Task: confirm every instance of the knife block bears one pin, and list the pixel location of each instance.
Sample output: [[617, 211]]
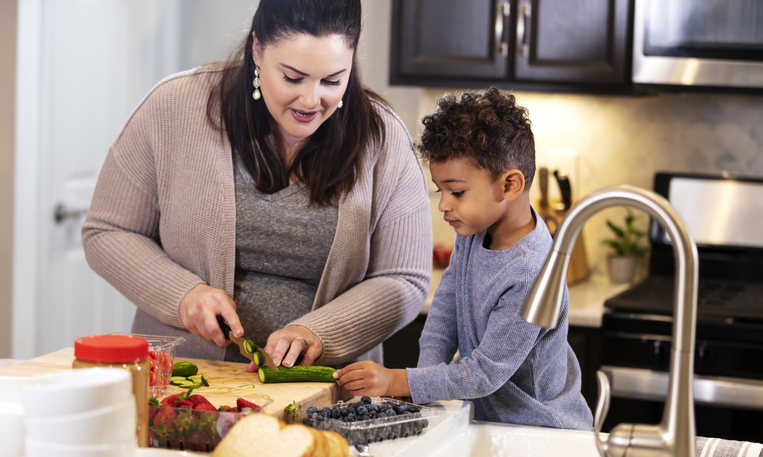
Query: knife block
[[578, 267]]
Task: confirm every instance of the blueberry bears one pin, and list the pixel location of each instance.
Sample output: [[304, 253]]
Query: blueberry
[[365, 399], [312, 410], [391, 412], [405, 412], [374, 408], [372, 414], [336, 413], [361, 410], [344, 411]]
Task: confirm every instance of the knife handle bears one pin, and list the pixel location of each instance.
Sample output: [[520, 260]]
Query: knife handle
[[223, 326]]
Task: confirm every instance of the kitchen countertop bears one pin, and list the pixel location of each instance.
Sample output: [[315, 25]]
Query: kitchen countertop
[[586, 298], [224, 378]]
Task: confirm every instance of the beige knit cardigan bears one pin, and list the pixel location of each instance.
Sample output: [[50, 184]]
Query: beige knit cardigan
[[163, 219]]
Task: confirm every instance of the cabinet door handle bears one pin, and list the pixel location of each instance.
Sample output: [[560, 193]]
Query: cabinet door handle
[[503, 10], [523, 18]]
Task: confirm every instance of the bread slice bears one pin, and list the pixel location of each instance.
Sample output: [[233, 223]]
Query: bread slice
[[262, 435], [294, 440], [245, 437], [338, 446]]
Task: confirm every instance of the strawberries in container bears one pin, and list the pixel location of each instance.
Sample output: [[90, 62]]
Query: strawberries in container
[[161, 354], [184, 420]]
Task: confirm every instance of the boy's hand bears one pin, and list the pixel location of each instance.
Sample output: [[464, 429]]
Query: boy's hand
[[369, 378]]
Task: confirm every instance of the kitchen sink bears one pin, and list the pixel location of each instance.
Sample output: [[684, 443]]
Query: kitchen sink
[[490, 439]]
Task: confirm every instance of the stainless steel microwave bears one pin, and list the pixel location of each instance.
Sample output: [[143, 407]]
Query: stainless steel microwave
[[698, 43]]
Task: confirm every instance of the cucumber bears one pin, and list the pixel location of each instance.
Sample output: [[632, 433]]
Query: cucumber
[[258, 359], [296, 374], [184, 369], [249, 346], [178, 379]]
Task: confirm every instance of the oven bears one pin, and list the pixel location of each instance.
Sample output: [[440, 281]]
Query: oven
[[698, 43], [724, 217]]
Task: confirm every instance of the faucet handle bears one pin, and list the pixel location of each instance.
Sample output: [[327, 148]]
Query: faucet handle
[[602, 408]]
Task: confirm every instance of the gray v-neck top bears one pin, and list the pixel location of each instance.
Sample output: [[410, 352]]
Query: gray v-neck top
[[282, 245]]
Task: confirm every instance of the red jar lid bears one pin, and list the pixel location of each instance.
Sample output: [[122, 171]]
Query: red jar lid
[[111, 348]]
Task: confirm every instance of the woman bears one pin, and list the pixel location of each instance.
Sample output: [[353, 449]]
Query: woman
[[272, 189]]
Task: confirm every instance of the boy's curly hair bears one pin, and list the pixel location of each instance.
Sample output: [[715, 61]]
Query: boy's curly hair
[[487, 128]]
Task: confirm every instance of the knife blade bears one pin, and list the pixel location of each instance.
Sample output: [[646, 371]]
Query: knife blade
[[240, 342]]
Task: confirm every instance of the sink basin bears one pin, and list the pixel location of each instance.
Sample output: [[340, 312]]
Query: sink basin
[[490, 439]]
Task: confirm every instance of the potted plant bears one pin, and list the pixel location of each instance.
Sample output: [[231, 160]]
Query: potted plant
[[622, 263]]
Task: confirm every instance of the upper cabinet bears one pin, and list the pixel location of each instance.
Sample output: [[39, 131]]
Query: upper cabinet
[[556, 44]]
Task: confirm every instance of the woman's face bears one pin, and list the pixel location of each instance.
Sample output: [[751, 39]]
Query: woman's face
[[303, 79]]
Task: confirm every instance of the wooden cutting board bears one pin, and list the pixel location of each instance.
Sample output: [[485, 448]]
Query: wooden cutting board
[[224, 378]]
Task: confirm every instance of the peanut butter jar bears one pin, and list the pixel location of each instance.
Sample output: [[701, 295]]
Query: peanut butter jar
[[120, 351]]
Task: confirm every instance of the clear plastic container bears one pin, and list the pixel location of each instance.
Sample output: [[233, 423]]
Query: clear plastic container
[[161, 352], [192, 429], [401, 425]]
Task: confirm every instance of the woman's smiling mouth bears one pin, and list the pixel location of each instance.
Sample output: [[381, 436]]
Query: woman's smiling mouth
[[303, 116]]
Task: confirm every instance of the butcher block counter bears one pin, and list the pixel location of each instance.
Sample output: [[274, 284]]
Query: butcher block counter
[[223, 377]]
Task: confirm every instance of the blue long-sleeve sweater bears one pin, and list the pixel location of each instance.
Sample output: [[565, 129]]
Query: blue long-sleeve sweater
[[513, 371]]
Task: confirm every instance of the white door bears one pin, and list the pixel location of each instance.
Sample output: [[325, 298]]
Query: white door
[[95, 62], [83, 66]]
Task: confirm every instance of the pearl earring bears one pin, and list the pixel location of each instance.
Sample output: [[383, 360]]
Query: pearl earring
[[256, 83], [340, 104]]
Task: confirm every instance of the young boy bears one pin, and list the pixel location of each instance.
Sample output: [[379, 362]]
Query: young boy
[[481, 153]]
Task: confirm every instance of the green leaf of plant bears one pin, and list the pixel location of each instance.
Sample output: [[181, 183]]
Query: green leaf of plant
[[618, 231]]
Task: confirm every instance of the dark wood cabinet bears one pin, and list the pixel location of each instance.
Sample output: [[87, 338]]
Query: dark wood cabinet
[[452, 38], [586, 343], [520, 44]]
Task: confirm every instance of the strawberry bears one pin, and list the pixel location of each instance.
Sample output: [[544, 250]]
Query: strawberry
[[172, 400], [185, 422], [198, 400], [164, 419], [242, 403], [197, 441], [152, 410], [165, 364], [205, 407], [183, 403], [227, 409]]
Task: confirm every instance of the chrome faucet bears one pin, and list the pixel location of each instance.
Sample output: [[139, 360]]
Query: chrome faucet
[[675, 435]]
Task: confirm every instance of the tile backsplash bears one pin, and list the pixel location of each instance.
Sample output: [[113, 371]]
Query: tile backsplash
[[625, 140]]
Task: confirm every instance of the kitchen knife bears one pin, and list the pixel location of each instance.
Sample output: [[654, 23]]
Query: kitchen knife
[[240, 342], [564, 188]]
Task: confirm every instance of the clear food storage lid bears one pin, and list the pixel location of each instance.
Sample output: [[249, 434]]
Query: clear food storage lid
[[157, 341], [405, 420]]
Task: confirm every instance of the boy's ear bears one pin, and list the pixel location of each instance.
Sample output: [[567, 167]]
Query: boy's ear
[[513, 182]]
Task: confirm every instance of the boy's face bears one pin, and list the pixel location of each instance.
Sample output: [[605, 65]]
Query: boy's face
[[471, 199]]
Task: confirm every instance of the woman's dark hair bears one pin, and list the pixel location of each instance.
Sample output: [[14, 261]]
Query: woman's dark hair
[[487, 128], [328, 162]]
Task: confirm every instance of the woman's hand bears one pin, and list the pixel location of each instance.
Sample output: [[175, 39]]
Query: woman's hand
[[287, 344], [370, 378], [199, 309]]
